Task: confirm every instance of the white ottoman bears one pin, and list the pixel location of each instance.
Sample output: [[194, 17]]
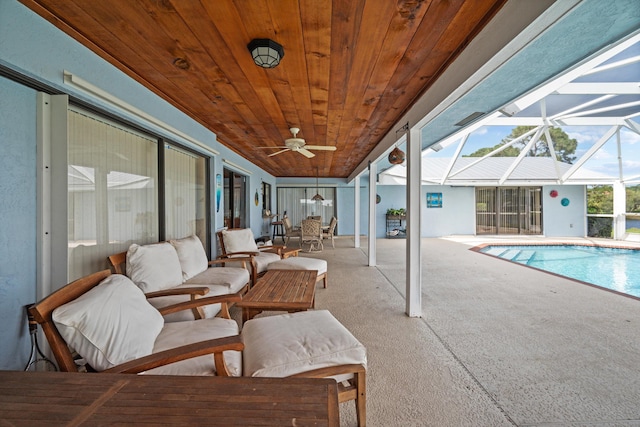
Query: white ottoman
[[302, 263], [307, 344]]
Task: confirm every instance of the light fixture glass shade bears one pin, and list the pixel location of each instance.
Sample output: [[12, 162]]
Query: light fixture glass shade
[[265, 52], [317, 197], [396, 156]]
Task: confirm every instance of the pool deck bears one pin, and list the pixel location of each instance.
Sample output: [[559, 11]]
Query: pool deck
[[498, 344]]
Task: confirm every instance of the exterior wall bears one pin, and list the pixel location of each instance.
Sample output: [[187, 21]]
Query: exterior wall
[[457, 215], [19, 215], [564, 221], [38, 51]]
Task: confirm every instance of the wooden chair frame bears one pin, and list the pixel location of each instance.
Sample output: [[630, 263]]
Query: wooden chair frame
[[354, 389], [330, 232], [290, 231], [311, 232]]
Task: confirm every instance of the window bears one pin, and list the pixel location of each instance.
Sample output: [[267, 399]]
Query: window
[[235, 199], [185, 195], [122, 190], [298, 203], [266, 197]]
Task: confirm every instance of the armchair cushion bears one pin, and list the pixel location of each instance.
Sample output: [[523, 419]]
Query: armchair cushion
[[110, 324], [288, 344], [154, 267], [193, 258], [182, 333], [239, 241]]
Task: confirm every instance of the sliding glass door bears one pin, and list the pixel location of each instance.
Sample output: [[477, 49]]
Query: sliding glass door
[[123, 188], [508, 210], [298, 203]]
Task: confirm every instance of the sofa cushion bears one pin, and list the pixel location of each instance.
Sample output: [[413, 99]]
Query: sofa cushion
[[110, 324], [287, 344], [233, 279], [193, 258], [299, 263], [183, 333], [154, 267], [239, 241]]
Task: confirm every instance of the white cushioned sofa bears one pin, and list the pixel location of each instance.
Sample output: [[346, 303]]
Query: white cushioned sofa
[[179, 265], [107, 319]]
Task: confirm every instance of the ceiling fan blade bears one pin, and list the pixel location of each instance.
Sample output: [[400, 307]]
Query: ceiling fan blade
[[278, 152], [305, 152], [320, 147]]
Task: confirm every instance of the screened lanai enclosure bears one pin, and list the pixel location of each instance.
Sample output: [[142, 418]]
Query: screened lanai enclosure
[[582, 129]]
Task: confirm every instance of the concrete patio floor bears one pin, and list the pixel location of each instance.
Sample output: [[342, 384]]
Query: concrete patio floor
[[499, 344]]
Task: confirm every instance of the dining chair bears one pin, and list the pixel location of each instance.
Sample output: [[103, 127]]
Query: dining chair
[[311, 234], [330, 231]]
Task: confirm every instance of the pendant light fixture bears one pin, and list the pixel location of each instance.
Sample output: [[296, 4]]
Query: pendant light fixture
[[317, 197]]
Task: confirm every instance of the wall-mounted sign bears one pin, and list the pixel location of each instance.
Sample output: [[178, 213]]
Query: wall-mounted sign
[[218, 191], [434, 200]]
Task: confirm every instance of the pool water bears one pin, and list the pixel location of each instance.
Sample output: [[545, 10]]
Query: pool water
[[611, 268]]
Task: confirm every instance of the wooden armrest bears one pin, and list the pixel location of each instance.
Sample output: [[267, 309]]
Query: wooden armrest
[[276, 247], [202, 348], [199, 302], [235, 254], [200, 291], [223, 261], [330, 371]]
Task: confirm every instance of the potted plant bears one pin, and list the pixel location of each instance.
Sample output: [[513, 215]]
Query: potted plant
[[396, 213]]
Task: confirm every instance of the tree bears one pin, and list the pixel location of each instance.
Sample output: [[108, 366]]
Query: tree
[[564, 146], [600, 199]]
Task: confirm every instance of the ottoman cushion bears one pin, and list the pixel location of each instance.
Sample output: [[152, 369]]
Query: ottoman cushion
[[288, 344], [300, 263]]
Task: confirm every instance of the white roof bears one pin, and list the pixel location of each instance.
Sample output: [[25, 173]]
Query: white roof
[[493, 171]]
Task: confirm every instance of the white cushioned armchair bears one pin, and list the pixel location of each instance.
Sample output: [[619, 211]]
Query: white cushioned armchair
[[240, 242], [107, 319]]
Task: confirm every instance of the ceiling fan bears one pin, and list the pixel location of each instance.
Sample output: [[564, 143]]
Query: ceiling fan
[[299, 145]]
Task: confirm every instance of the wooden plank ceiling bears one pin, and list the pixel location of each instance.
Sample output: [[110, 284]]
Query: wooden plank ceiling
[[351, 68]]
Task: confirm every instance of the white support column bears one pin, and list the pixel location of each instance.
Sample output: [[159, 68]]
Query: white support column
[[373, 172], [356, 209], [619, 209], [414, 256]]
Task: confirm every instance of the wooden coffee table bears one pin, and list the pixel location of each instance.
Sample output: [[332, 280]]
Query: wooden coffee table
[[280, 290]]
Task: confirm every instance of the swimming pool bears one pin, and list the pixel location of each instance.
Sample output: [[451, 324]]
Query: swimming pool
[[611, 268]]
